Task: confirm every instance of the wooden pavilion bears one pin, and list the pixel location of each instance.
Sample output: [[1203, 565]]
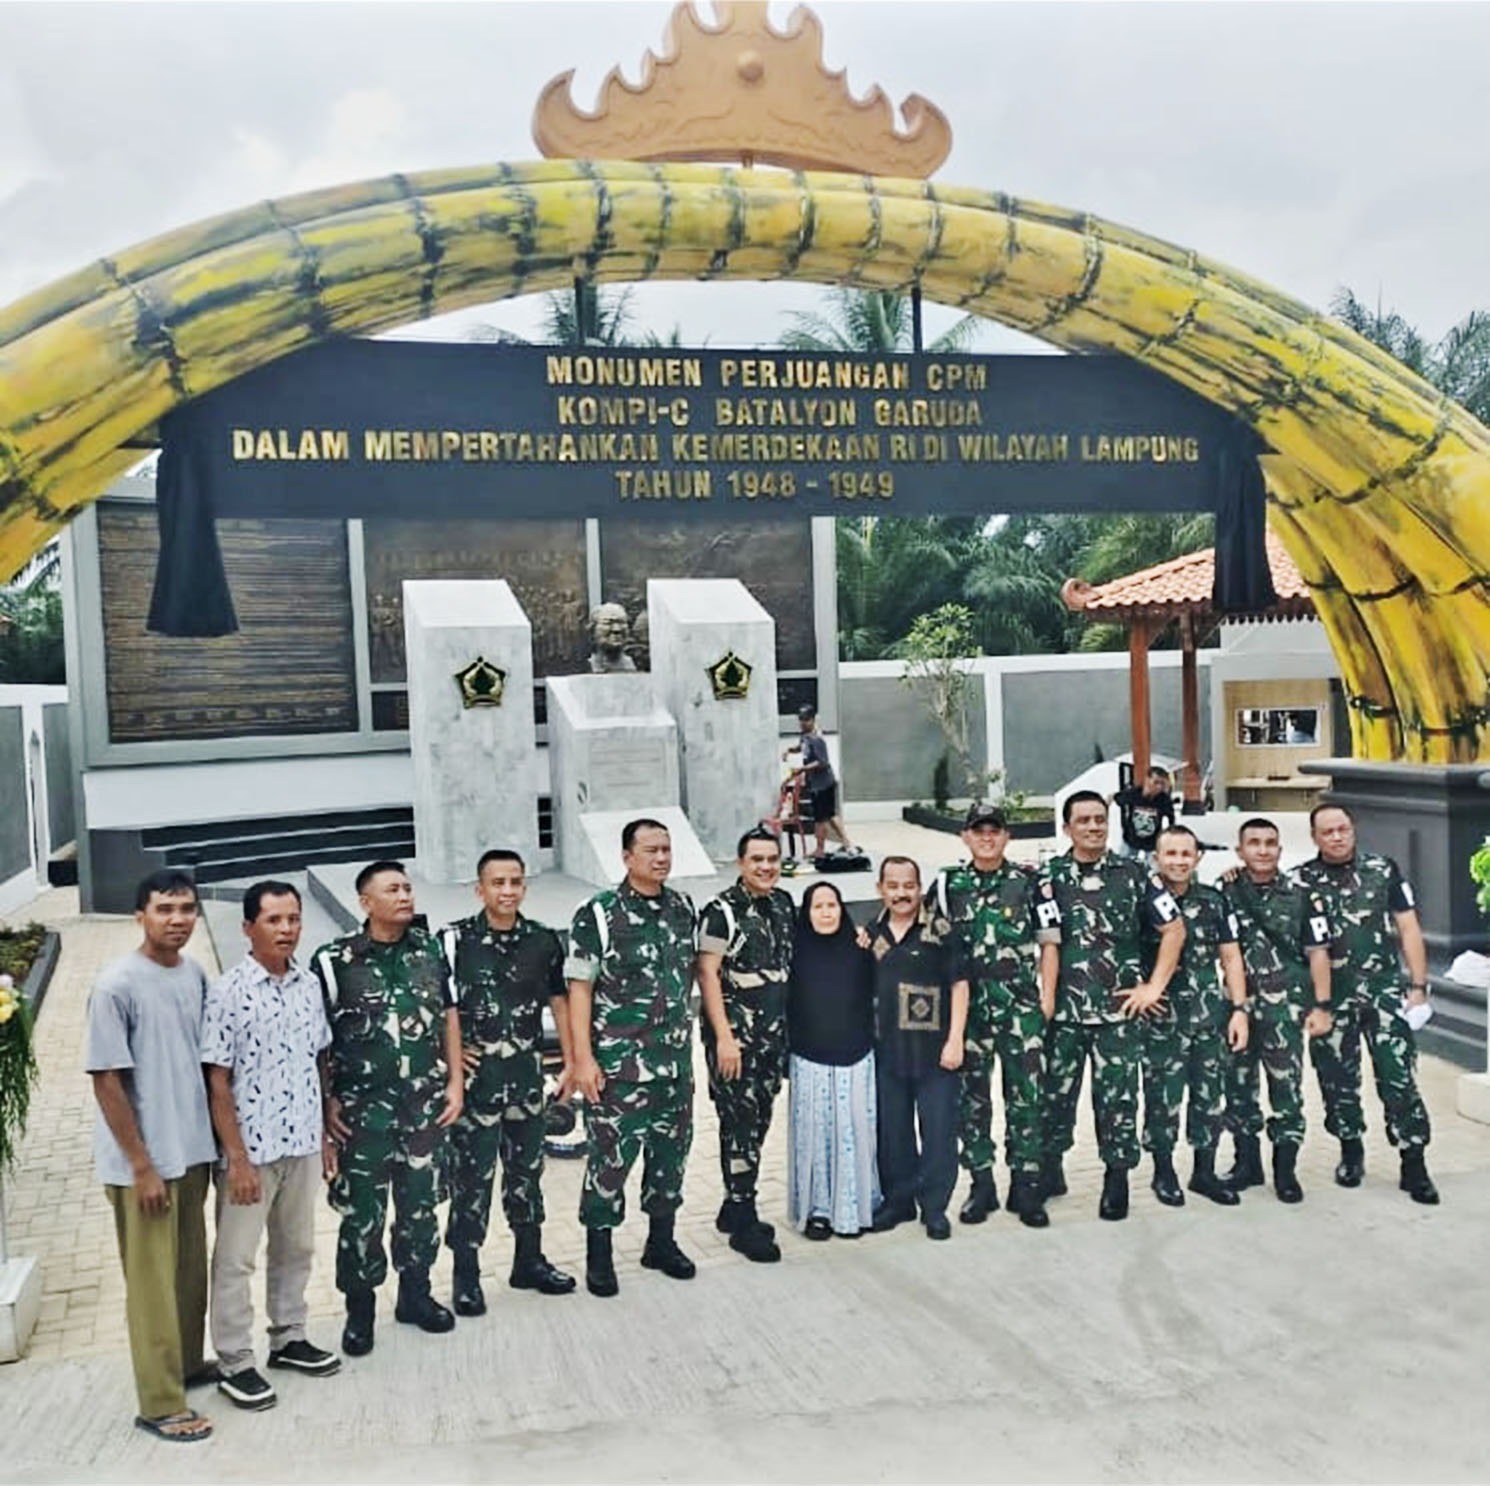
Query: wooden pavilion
[[1178, 592]]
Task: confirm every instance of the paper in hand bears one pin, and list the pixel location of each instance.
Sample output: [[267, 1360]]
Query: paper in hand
[[1417, 1017]]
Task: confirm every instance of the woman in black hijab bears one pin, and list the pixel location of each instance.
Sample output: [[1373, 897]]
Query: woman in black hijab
[[832, 1179]]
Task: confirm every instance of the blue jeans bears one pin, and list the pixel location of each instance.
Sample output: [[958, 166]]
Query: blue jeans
[[921, 1175]]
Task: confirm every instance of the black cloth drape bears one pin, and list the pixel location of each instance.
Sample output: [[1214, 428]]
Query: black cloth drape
[[1243, 582], [191, 594]]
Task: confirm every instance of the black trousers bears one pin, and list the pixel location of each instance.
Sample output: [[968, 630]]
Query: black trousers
[[910, 1174]]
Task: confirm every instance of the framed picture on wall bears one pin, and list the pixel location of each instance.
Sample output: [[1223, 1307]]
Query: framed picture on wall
[[1277, 727]]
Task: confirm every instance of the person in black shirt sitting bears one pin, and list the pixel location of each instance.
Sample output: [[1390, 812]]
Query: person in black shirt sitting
[[921, 999], [1145, 810]]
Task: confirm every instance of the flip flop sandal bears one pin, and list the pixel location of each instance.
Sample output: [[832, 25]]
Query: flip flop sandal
[[161, 1428]]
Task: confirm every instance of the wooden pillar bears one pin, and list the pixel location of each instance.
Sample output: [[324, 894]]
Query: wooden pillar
[[1139, 633], [1190, 718]]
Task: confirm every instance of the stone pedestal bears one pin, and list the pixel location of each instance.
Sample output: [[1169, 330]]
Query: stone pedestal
[[1431, 819], [613, 755], [20, 1305], [730, 745], [475, 766], [1473, 1097]]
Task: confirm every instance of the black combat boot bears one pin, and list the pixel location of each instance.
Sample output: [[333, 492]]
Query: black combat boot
[[417, 1307], [981, 1200], [1026, 1201], [1285, 1180], [1352, 1167], [362, 1310], [1053, 1178], [530, 1270], [466, 1296], [1114, 1203], [661, 1250], [600, 1267], [1415, 1180], [754, 1239], [734, 1214], [1166, 1185], [1205, 1183], [1246, 1171]]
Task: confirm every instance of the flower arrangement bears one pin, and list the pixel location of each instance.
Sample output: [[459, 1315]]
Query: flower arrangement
[[17, 1069]]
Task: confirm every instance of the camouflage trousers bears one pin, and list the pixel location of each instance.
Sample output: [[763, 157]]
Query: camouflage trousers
[[509, 1130], [744, 1104], [1114, 1051], [1015, 1035], [372, 1163], [653, 1120], [1394, 1057], [1275, 1041], [1180, 1059]]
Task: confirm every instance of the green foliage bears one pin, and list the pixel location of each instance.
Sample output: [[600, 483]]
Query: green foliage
[[1458, 365], [607, 317], [936, 653], [18, 1070], [869, 321], [1479, 871], [19, 949], [31, 648]]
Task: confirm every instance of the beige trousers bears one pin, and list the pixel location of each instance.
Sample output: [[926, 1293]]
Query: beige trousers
[[290, 1190], [165, 1288]]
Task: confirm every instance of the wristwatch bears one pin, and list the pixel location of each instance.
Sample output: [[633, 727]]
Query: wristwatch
[[1328, 1007], [1241, 1006]]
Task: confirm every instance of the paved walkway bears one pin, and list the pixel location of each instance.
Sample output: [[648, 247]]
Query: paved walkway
[[1326, 1342]]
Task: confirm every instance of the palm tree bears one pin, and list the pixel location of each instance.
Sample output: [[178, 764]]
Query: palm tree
[[1459, 364], [889, 571], [607, 316], [869, 322]]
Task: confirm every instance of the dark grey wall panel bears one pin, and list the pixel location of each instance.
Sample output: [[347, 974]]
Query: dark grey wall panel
[[891, 745], [1058, 723], [15, 832], [61, 826]]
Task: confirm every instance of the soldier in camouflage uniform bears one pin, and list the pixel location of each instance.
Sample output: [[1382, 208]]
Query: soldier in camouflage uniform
[[1375, 918], [1190, 1038], [1284, 932], [1001, 912], [505, 967], [1106, 904], [744, 960], [394, 1085], [630, 969]]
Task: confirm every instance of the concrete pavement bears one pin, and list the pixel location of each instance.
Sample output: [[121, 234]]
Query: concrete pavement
[[1341, 1340]]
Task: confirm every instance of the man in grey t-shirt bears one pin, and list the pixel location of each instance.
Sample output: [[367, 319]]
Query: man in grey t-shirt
[[816, 772], [153, 1148]]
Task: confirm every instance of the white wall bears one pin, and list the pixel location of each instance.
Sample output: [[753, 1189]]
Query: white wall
[[29, 793]]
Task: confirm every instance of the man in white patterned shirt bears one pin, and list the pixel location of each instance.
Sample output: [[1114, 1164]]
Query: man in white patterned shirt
[[262, 1034]]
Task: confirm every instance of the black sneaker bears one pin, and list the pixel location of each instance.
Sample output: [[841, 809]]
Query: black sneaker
[[248, 1390], [305, 1358]]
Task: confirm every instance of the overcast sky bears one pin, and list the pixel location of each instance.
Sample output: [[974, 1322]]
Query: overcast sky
[[1312, 146]]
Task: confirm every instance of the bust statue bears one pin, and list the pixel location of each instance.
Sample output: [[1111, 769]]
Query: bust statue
[[609, 632]]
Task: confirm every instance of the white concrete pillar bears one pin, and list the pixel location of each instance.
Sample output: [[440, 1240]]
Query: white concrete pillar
[[474, 757], [729, 745]]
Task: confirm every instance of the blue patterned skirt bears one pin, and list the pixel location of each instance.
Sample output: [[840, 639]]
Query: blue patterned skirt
[[832, 1171]]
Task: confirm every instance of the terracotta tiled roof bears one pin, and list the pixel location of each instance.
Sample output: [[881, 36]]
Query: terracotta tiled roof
[[1182, 584]]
